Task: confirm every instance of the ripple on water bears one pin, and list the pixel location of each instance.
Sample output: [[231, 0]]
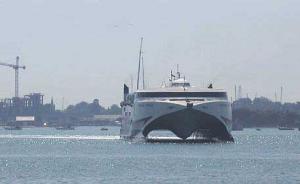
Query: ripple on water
[[89, 157]]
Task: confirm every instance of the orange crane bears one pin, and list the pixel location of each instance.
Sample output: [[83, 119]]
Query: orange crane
[[16, 67]]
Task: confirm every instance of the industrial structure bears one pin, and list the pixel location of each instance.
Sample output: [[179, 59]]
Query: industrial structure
[[16, 67], [30, 109], [29, 105]]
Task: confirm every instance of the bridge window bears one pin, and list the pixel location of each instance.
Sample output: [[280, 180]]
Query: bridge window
[[175, 84], [181, 94]]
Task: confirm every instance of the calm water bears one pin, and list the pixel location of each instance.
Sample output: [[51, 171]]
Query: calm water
[[88, 155]]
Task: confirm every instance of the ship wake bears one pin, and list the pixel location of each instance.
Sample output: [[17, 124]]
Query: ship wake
[[61, 137]]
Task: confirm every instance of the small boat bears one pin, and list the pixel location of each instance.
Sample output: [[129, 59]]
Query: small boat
[[258, 129], [13, 128], [285, 128], [104, 129], [69, 127]]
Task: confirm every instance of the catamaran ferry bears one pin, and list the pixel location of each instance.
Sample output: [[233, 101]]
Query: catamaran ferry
[[187, 111]]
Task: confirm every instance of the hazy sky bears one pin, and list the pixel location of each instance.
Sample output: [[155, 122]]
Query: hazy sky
[[86, 49]]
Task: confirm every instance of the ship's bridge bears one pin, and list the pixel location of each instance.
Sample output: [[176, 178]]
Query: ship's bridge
[[180, 83]]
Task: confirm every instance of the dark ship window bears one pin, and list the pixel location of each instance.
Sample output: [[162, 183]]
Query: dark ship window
[[182, 94], [181, 84]]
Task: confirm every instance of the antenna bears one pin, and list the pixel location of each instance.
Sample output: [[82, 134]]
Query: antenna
[[234, 92], [172, 76], [240, 95], [139, 68], [281, 91], [178, 73], [184, 83]]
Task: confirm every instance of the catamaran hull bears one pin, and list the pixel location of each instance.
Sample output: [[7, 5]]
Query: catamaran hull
[[184, 121]]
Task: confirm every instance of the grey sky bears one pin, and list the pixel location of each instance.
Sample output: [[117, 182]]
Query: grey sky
[[85, 49]]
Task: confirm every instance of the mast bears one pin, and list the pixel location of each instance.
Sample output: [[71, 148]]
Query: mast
[[143, 72], [139, 68]]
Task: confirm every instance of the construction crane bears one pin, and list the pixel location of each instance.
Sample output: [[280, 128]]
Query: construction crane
[[16, 67]]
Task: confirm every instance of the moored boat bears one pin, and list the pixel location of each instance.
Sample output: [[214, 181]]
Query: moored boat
[[13, 128], [285, 128], [68, 127]]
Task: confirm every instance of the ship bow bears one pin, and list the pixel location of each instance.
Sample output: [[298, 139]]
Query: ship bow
[[188, 122]]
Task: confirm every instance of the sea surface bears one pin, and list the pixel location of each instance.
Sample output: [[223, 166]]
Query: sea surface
[[89, 155]]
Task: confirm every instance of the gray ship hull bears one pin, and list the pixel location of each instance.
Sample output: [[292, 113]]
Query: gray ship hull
[[190, 122], [184, 123]]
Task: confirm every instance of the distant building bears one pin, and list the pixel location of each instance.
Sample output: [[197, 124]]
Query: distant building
[[106, 117], [242, 103], [265, 104], [29, 105]]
